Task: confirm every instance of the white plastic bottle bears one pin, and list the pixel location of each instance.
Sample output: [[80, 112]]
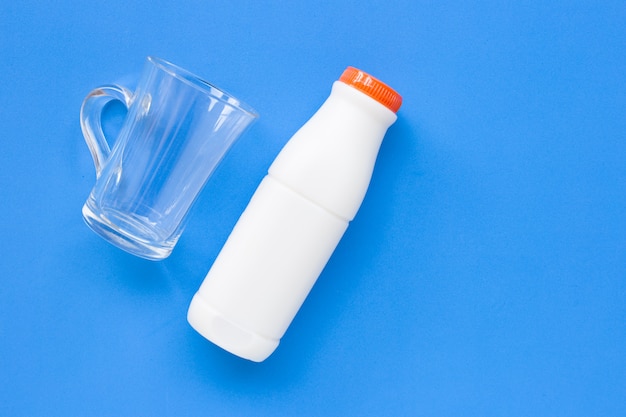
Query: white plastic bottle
[[295, 220]]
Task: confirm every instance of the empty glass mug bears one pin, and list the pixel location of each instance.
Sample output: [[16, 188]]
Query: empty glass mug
[[177, 129]]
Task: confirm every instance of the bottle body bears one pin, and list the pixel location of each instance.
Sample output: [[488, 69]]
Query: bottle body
[[254, 289], [293, 223]]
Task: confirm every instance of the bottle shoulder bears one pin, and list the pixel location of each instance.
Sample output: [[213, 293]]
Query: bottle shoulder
[[330, 159]]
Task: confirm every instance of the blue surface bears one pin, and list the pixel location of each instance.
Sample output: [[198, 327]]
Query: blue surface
[[484, 275]]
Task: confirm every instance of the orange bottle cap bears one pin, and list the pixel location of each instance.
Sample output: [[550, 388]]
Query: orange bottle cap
[[373, 87]]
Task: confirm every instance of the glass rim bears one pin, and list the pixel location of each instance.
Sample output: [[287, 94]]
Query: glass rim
[[201, 85]]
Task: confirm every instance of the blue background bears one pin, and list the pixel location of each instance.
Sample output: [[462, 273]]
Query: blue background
[[484, 275]]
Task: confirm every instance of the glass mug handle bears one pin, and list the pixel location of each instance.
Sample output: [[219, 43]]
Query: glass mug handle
[[91, 120]]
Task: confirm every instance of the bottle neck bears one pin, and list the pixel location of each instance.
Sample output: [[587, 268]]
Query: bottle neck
[[365, 103]]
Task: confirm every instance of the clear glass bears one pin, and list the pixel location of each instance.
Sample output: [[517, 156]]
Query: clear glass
[[177, 130]]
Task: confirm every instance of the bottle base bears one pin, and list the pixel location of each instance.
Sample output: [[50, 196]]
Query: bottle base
[[227, 335]]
